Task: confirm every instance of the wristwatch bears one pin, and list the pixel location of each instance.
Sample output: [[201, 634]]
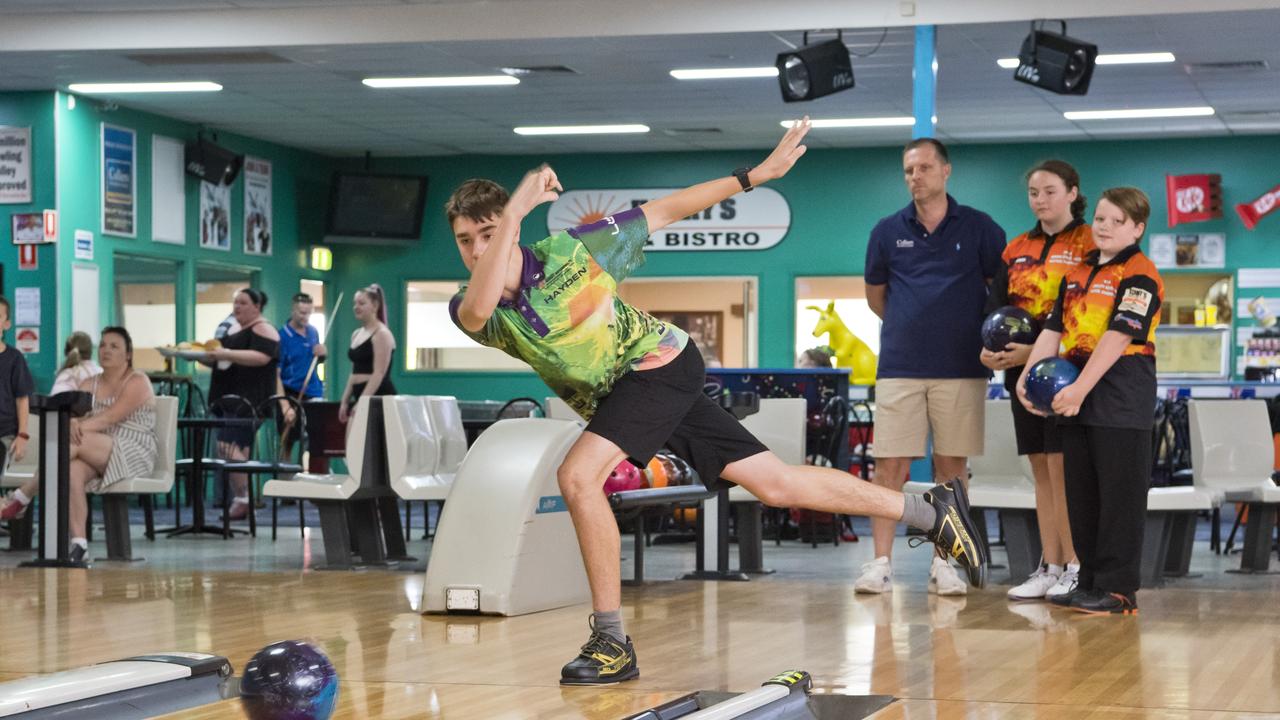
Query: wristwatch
[[741, 174]]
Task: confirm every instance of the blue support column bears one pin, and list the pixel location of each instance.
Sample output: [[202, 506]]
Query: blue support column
[[924, 81]]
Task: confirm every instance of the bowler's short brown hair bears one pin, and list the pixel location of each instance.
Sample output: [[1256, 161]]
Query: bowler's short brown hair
[[476, 199]]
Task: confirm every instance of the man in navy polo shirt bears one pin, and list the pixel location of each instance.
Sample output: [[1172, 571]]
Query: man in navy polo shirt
[[299, 342], [927, 271]]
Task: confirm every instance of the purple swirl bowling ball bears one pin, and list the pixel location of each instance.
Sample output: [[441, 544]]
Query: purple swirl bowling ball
[[289, 680], [1007, 325]]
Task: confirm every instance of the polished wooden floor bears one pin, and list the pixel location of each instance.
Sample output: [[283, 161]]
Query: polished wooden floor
[[1192, 653]]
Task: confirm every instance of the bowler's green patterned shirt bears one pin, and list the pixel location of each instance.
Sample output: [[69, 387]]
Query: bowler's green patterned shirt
[[568, 322]]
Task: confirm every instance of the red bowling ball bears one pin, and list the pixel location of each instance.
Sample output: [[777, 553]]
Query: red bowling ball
[[625, 477]]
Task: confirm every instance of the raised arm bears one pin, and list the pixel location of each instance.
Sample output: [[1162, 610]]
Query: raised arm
[[489, 275], [680, 204]]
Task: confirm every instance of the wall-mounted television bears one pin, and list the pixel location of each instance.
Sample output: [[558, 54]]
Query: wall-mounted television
[[375, 209]]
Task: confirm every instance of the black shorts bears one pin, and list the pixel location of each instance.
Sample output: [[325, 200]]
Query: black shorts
[[239, 435], [1034, 434], [665, 407], [357, 390]]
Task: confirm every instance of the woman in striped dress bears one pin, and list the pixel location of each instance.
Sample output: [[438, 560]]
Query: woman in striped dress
[[117, 439]]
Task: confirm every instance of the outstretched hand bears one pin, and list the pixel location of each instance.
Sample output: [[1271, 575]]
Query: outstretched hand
[[538, 186], [788, 151]]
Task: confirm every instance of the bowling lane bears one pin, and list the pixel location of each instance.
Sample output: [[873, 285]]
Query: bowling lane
[[1192, 650], [410, 700]]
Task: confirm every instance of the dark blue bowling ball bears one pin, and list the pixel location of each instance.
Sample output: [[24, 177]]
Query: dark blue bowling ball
[[289, 680], [1007, 325], [1046, 379]]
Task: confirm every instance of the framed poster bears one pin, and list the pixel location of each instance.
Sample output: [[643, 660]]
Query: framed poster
[[215, 216], [705, 327], [119, 183], [15, 165], [28, 228], [1203, 250], [257, 206]]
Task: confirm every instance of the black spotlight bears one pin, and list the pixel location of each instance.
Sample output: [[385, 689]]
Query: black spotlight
[[815, 70], [1056, 62]]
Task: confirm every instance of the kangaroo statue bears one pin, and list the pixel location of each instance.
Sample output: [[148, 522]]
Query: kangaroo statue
[[849, 351]]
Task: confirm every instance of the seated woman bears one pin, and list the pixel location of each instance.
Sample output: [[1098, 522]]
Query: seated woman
[[117, 439], [76, 368]]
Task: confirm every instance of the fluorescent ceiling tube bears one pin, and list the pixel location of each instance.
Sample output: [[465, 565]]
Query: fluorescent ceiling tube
[[724, 73], [1135, 58], [461, 81], [901, 121], [143, 87], [1113, 59], [1138, 113], [581, 129]]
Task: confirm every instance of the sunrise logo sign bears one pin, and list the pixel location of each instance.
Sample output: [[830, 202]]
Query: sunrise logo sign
[[756, 221]]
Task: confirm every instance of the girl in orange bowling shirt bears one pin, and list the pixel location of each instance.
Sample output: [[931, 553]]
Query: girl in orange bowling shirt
[[1034, 265], [1105, 320]]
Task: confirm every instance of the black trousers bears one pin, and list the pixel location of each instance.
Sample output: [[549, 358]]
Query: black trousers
[[1108, 472]]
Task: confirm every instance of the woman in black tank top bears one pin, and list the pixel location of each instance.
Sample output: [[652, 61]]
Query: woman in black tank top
[[251, 357], [371, 351]]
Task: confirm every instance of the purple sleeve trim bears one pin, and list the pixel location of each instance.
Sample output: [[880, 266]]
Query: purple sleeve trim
[[618, 219]]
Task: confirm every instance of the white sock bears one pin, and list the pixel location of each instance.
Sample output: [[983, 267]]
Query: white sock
[[81, 542], [21, 497], [244, 499], [1055, 569], [1073, 567]]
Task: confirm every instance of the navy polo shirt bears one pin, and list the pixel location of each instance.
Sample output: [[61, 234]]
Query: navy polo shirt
[[937, 287], [295, 359]]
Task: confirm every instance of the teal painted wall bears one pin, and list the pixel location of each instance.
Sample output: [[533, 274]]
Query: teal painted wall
[[836, 196], [299, 185], [34, 110]]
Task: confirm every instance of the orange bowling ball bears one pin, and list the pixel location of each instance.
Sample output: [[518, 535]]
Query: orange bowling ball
[[657, 472]]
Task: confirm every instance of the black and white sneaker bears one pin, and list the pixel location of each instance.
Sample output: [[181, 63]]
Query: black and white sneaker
[[954, 533], [77, 555], [602, 661]]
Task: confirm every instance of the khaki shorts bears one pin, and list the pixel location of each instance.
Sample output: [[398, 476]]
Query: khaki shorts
[[907, 409]]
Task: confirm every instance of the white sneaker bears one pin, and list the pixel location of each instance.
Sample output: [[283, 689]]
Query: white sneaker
[[1066, 582], [944, 580], [877, 577], [1034, 587]]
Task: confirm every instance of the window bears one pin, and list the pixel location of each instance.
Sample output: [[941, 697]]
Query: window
[[146, 291], [850, 297], [718, 313], [435, 343], [216, 288]]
